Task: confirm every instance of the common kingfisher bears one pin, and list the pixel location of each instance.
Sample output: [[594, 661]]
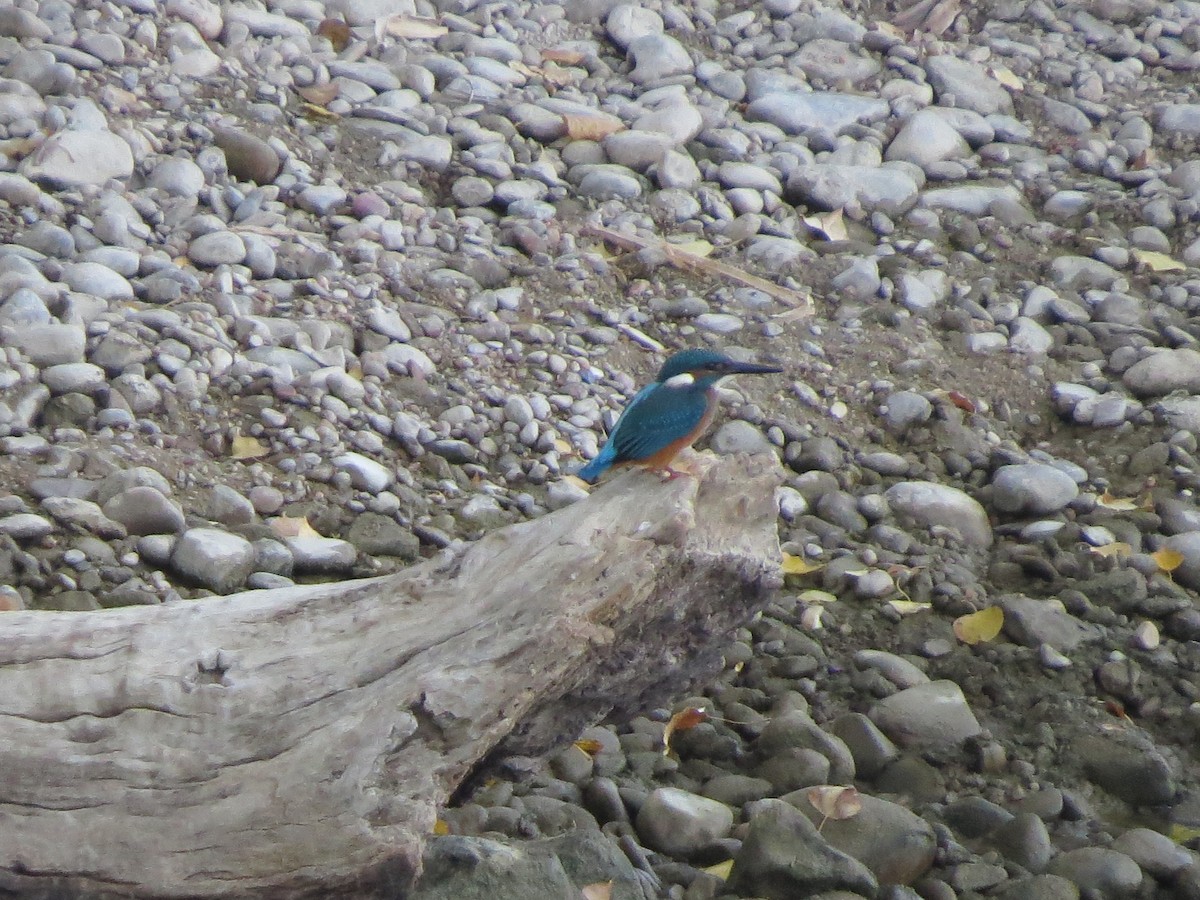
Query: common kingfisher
[[668, 414]]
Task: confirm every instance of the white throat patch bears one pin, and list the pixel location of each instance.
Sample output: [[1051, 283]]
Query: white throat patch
[[681, 380]]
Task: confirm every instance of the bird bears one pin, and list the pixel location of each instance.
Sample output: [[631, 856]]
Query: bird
[[668, 414]]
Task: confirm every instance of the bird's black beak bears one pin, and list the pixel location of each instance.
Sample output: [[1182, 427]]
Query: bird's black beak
[[741, 368]]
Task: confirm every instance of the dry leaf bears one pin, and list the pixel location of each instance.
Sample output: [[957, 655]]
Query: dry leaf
[[563, 56], [336, 31], [1181, 834], [319, 94], [1167, 559], [798, 565], [601, 890], [412, 27], [293, 526], [583, 127], [961, 400], [979, 627], [810, 619], [590, 746], [908, 607], [1156, 261], [319, 113], [682, 721], [815, 596], [834, 802], [1117, 504], [688, 261], [1115, 549], [441, 827], [831, 225], [1007, 78], [698, 247], [245, 446], [552, 75], [721, 870]]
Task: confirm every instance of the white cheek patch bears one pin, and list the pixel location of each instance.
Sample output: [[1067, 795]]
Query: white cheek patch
[[681, 380]]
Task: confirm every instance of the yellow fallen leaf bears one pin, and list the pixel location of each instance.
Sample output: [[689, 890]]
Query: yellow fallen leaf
[[1167, 559], [1181, 834], [682, 721], [698, 247], [293, 526], [590, 746], [1115, 549], [318, 113], [562, 446], [441, 827], [810, 619], [1156, 261], [413, 27], [601, 890], [815, 596], [584, 127], [721, 870], [979, 627], [908, 607], [798, 565], [1117, 504], [245, 446], [1007, 78]]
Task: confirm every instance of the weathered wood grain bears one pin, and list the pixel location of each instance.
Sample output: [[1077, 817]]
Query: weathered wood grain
[[287, 743]]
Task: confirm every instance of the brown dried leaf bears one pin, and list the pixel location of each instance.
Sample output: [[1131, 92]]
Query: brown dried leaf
[[319, 94], [336, 31], [682, 260], [563, 56], [582, 127], [682, 721]]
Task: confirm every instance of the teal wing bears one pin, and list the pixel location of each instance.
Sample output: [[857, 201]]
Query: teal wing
[[658, 417]]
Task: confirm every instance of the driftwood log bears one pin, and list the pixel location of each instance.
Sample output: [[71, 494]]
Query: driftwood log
[[298, 742]]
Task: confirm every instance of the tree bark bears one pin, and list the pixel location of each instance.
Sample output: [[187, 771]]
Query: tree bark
[[294, 742]]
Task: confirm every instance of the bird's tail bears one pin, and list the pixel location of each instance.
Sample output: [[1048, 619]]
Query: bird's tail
[[597, 466]]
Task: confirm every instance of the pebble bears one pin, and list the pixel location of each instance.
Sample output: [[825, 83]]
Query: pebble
[[215, 559], [932, 505], [680, 823], [1032, 489], [783, 855], [935, 714]]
